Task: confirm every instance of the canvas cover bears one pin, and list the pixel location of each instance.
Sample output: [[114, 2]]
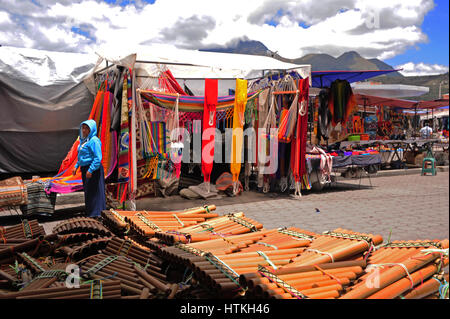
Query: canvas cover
[[45, 95]]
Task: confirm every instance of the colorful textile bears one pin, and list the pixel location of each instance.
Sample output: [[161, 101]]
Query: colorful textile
[[39, 201], [191, 103], [342, 102], [209, 124], [238, 124], [298, 144], [168, 83], [64, 181], [124, 139]]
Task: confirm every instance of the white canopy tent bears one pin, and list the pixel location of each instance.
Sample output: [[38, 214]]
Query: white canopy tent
[[192, 67], [45, 95], [389, 90]]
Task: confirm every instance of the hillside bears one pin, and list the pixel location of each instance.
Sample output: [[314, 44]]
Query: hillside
[[347, 61], [431, 81]]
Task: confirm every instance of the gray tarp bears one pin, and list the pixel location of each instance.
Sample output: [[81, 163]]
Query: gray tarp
[[39, 121]]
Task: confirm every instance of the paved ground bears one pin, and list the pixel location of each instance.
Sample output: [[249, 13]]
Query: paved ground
[[411, 206]]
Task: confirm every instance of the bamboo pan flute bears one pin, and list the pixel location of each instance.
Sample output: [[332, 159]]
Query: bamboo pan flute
[[166, 220], [16, 232], [81, 225], [133, 251], [133, 278], [327, 248], [110, 289], [144, 254], [242, 253], [219, 227], [326, 281], [399, 270]]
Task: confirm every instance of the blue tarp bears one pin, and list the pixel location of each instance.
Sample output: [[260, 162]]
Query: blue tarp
[[322, 79]]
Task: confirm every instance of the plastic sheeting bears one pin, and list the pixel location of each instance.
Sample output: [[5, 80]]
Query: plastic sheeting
[[43, 100]]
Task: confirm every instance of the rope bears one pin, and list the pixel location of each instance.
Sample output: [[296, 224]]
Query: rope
[[148, 222], [394, 264], [321, 252], [441, 252], [187, 237], [263, 255], [443, 289], [179, 220], [226, 270], [243, 222], [328, 274]]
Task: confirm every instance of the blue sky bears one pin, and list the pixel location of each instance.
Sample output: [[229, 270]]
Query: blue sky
[[436, 27]]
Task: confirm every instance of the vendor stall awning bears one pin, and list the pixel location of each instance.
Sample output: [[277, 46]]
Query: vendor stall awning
[[322, 79], [370, 100]]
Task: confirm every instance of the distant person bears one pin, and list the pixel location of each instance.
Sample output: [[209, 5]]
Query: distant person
[[92, 174], [426, 131]]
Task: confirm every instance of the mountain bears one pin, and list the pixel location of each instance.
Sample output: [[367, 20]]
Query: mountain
[[431, 81], [348, 61], [241, 47], [320, 62]]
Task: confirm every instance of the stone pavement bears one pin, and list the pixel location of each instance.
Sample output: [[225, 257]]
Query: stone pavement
[[412, 207]]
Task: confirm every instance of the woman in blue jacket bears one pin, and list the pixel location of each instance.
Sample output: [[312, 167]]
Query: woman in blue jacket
[[90, 163]]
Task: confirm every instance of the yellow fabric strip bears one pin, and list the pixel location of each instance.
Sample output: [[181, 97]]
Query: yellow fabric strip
[[238, 124]]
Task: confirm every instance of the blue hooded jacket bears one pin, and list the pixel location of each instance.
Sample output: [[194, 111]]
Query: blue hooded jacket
[[90, 148]]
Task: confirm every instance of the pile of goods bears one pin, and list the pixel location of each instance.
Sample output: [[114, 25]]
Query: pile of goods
[[197, 254]]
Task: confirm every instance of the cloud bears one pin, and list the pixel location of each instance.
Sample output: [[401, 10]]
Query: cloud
[[376, 29], [415, 69], [188, 32]]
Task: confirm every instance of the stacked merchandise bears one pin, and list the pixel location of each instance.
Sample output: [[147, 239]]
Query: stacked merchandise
[[229, 256], [13, 193]]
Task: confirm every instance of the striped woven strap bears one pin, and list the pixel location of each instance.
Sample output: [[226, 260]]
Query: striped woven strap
[[280, 283], [190, 249], [148, 222], [243, 222], [101, 264], [296, 234]]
